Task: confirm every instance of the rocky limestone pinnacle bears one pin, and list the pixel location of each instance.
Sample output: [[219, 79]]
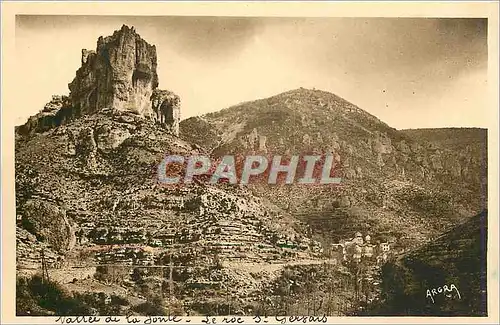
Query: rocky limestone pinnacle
[[120, 75]]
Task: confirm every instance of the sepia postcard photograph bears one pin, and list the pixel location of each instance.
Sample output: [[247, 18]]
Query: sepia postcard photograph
[[249, 163]]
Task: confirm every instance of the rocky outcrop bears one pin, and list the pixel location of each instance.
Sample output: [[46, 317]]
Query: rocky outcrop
[[86, 149], [56, 112], [48, 223], [167, 109], [109, 138], [120, 75]]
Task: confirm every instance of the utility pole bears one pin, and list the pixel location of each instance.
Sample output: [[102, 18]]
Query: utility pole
[[170, 282], [329, 299], [356, 286], [287, 308], [170, 278], [314, 301], [45, 271], [162, 285], [308, 294], [228, 301], [171, 267]]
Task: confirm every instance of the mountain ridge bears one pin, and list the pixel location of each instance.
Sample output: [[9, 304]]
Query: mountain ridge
[[370, 153]]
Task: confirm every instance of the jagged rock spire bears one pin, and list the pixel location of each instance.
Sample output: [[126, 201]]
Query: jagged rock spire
[[120, 74]]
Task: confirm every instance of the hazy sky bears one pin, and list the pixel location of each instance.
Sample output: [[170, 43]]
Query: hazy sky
[[409, 72]]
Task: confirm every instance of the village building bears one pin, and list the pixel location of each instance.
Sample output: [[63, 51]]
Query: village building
[[358, 239], [358, 249], [369, 248], [385, 247]]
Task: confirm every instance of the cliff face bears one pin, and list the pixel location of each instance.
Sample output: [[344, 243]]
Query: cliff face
[[120, 75]]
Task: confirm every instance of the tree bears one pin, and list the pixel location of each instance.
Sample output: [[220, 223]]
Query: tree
[[34, 296]]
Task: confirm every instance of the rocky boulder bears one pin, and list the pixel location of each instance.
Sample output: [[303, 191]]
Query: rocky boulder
[[109, 138], [86, 148], [48, 223]]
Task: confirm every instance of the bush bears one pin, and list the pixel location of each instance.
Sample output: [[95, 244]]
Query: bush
[[35, 296], [117, 300], [38, 297], [154, 307]]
